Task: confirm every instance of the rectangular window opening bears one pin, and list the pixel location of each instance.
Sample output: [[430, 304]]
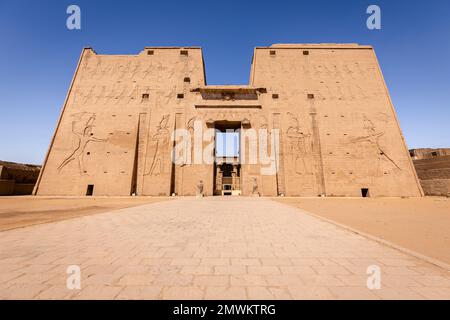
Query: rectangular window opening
[[150, 52], [273, 52], [90, 190], [184, 52], [306, 53]]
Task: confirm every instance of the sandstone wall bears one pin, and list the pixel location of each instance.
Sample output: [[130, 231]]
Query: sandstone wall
[[117, 120], [6, 187], [17, 178], [427, 153], [339, 132], [339, 127], [434, 173], [437, 187]]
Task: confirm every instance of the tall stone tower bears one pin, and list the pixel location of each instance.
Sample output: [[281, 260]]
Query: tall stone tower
[[328, 103]]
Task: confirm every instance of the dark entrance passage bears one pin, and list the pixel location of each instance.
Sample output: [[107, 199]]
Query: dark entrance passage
[[227, 167], [365, 192], [90, 190]]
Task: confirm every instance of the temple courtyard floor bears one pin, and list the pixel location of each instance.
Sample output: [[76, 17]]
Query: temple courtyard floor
[[222, 248]]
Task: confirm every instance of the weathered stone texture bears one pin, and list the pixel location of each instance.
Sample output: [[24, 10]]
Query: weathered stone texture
[[339, 132], [436, 187], [17, 178], [433, 170]]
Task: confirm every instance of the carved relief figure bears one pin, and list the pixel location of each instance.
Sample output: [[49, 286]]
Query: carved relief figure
[[189, 147], [82, 126], [348, 71], [120, 93], [89, 95], [298, 146], [161, 139], [77, 95], [145, 71], [373, 138], [99, 94], [135, 69], [264, 126], [122, 68], [132, 96]]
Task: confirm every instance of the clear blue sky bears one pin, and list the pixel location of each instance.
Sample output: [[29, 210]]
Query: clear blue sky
[[39, 54]]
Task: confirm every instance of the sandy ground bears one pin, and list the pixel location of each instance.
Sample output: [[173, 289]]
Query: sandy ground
[[17, 212], [418, 224]]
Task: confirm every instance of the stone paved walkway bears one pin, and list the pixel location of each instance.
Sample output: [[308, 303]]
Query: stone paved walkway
[[211, 248]]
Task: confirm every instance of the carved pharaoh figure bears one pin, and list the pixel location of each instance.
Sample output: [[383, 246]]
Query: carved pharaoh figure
[[82, 127], [373, 137]]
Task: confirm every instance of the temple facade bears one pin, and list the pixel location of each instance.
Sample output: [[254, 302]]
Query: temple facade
[[314, 120]]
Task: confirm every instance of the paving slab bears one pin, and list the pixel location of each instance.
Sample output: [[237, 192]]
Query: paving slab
[[209, 248]]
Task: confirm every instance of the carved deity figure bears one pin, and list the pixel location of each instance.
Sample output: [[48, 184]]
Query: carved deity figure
[[189, 148], [298, 145], [161, 139]]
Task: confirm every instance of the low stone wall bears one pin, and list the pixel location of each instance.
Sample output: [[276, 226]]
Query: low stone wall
[[10, 187], [436, 187], [434, 173], [23, 189], [6, 187], [436, 168], [428, 153]]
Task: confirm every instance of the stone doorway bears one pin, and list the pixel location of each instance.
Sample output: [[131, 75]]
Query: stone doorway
[[227, 167]]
